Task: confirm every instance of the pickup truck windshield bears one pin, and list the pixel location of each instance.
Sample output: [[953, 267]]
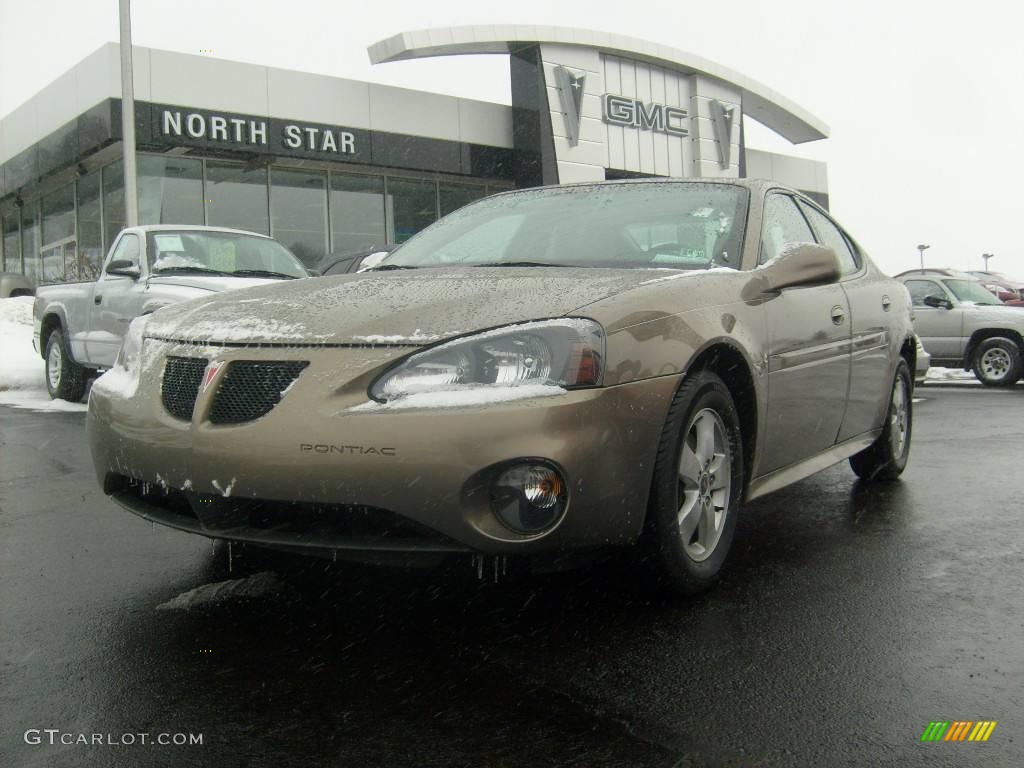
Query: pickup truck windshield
[[969, 290], [648, 225], [225, 253]]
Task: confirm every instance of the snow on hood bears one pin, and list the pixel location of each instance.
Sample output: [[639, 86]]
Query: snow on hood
[[213, 283], [409, 308]]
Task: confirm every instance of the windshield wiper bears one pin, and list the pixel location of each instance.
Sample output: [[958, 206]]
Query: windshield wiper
[[388, 267], [262, 273], [516, 264], [190, 270]]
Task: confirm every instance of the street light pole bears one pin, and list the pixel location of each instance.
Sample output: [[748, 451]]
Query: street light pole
[[986, 257], [131, 195], [920, 250]]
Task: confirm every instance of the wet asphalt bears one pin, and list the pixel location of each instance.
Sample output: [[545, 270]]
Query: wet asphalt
[[850, 617]]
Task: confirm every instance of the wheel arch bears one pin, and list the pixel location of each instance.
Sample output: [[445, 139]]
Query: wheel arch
[[989, 333], [53, 320], [731, 365]]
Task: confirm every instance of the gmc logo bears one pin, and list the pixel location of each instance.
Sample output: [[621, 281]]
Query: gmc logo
[[633, 113]]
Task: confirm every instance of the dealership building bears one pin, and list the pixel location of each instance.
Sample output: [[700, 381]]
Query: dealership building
[[329, 165]]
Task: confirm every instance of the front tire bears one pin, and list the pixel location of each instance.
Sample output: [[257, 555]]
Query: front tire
[[698, 485], [886, 458], [997, 362], [65, 379]]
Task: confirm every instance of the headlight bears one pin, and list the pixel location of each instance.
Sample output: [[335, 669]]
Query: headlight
[[566, 353], [131, 348]]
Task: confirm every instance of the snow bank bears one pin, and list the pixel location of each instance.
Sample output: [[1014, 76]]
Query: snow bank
[[22, 376], [265, 585], [950, 374]]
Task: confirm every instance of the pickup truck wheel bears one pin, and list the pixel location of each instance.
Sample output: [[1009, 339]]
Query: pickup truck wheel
[[886, 458], [65, 379], [997, 362]]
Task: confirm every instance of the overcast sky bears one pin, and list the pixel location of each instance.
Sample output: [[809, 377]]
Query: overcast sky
[[922, 96]]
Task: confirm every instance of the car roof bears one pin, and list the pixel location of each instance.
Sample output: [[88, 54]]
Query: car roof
[[754, 185], [938, 272]]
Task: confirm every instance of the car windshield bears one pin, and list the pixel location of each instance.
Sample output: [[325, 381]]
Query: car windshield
[[220, 253], [970, 290], [673, 225]]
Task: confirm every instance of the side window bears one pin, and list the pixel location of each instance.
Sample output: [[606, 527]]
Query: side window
[[783, 225], [921, 288], [127, 249], [830, 236]]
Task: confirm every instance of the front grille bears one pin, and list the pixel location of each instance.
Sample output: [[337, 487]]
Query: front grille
[[182, 377], [250, 389]]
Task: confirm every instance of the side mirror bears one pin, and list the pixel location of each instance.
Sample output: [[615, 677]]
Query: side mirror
[[124, 268], [800, 264], [938, 302]]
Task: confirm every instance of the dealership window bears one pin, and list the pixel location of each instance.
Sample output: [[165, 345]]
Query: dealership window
[[413, 206], [30, 240], [357, 212], [12, 243], [113, 202], [170, 190], [236, 196], [90, 227], [454, 196], [58, 226], [298, 202]]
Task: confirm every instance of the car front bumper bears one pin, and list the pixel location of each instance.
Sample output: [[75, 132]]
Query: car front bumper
[[327, 470]]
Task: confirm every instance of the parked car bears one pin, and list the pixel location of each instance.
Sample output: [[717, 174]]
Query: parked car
[[13, 284], [353, 261], [964, 326], [79, 327], [1001, 283], [1006, 290], [564, 368], [923, 360]]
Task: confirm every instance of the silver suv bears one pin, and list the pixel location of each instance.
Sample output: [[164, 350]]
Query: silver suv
[[964, 326]]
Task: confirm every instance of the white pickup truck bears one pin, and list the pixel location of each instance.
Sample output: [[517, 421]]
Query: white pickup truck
[[79, 327]]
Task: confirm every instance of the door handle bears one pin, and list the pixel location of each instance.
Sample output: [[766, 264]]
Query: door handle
[[886, 303], [838, 315], [97, 299]]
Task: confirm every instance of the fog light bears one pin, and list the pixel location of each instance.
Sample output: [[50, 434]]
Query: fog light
[[529, 498]]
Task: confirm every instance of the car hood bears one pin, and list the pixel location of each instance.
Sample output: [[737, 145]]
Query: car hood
[[1001, 313], [409, 308], [212, 283]]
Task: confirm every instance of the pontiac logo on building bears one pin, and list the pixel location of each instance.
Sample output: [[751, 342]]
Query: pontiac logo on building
[[633, 113], [570, 91]]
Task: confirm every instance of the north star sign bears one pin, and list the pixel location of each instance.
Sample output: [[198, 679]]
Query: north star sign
[[633, 113], [244, 131]]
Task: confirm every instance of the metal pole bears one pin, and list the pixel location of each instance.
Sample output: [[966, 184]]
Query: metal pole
[[131, 195], [986, 257], [920, 250]]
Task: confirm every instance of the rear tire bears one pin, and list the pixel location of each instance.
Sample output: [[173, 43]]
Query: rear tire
[[886, 458], [997, 362], [65, 379], [698, 485]]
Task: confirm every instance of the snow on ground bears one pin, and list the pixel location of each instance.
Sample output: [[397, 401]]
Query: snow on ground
[[22, 382], [950, 374], [265, 585]]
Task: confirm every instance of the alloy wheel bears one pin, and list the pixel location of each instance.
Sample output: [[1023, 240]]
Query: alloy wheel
[[995, 363], [899, 417], [54, 361], [705, 480]]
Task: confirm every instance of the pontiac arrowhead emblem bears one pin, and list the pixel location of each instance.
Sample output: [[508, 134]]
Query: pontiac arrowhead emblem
[[570, 90], [722, 117], [211, 373]]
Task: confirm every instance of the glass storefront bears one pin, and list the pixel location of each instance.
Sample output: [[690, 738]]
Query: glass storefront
[[90, 227], [451, 197], [66, 234], [357, 212], [12, 243], [236, 197], [413, 206], [113, 202], [30, 240], [170, 190], [298, 201]]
